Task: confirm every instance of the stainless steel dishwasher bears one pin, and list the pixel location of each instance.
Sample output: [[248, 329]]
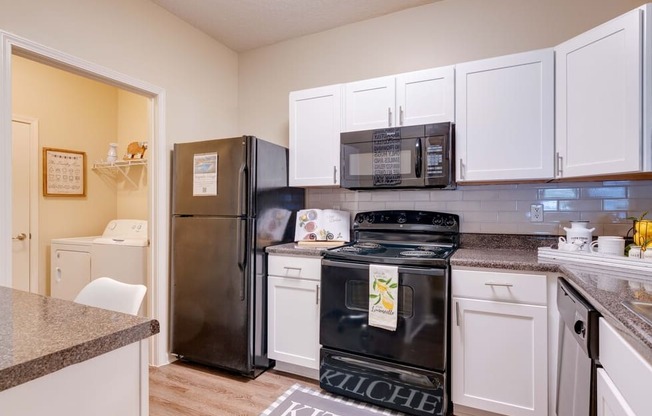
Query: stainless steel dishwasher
[[578, 352]]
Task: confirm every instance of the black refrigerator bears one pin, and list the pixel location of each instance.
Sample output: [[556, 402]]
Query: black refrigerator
[[230, 200]]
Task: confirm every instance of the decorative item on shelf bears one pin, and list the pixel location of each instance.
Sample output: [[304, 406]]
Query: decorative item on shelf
[[112, 154], [641, 233], [579, 234], [135, 150]]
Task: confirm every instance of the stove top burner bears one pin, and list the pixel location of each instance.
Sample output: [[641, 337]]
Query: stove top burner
[[369, 246], [420, 253]]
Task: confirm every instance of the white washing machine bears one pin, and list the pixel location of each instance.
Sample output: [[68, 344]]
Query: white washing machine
[[70, 266], [121, 253]]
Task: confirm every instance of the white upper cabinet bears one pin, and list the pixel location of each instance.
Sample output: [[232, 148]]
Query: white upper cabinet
[[599, 100], [408, 99], [369, 104], [505, 117], [315, 125]]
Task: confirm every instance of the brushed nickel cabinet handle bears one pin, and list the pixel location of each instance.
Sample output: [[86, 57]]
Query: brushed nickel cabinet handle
[[292, 268], [462, 170], [560, 162], [400, 114], [389, 116], [317, 296], [499, 284], [457, 313], [334, 174]]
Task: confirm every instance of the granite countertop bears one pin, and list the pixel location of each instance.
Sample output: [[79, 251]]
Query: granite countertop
[[294, 249], [602, 288], [40, 335]]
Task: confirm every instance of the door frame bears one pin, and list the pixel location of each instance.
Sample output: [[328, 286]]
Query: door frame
[[11, 44], [33, 199]]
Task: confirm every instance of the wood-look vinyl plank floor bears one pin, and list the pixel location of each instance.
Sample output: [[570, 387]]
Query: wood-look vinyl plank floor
[[194, 390]]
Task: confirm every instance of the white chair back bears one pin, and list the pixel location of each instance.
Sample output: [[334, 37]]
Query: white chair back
[[107, 293]]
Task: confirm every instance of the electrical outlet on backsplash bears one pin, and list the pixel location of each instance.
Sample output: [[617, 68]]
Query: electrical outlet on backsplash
[[506, 209]]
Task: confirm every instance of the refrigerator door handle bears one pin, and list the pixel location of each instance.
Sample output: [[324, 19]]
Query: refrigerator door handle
[[242, 255], [242, 189]]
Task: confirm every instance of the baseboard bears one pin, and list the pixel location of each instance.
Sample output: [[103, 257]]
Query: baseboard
[[297, 369], [459, 410]]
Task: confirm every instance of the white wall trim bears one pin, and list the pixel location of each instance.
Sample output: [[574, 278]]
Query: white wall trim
[[159, 167]]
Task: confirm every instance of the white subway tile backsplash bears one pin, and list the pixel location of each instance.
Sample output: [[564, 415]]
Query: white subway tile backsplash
[[580, 205], [415, 195], [559, 193], [505, 209], [604, 192]]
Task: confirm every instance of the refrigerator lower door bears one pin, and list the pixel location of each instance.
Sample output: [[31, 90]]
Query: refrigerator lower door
[[209, 292]]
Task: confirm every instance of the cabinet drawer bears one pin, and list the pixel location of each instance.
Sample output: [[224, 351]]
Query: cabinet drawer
[[491, 285], [294, 266], [630, 372]]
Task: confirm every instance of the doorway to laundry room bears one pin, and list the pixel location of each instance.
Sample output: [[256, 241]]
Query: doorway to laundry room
[[90, 162]]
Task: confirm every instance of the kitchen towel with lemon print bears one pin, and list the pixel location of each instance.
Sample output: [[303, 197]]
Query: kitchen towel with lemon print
[[383, 296]]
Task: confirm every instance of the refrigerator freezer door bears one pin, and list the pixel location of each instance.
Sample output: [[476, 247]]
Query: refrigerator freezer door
[[210, 302], [210, 177]]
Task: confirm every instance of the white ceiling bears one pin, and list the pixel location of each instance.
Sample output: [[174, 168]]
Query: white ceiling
[[248, 24]]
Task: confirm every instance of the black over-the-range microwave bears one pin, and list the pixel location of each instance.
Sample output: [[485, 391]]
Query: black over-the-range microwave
[[402, 157]]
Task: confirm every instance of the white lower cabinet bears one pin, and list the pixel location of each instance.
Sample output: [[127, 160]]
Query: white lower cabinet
[[625, 381], [499, 343], [293, 313], [610, 402]]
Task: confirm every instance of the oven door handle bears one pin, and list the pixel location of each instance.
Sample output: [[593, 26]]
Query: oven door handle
[[411, 270]]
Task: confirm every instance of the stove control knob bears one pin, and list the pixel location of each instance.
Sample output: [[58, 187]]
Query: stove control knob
[[438, 220], [359, 218], [402, 218], [370, 218], [450, 221]]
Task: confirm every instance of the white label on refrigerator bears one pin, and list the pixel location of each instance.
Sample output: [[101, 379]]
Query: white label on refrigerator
[[204, 181]]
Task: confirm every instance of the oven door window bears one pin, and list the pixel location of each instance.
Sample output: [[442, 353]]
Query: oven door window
[[368, 164], [420, 338]]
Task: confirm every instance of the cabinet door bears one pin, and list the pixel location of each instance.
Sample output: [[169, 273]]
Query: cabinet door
[[610, 402], [598, 99], [427, 96], [293, 321], [315, 125], [504, 117], [70, 272], [499, 357], [369, 104]]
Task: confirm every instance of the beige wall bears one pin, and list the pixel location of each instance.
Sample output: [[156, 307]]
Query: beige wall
[[141, 40], [78, 114], [442, 33], [132, 193]]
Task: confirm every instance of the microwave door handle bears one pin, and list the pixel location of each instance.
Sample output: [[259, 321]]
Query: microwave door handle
[[419, 158]]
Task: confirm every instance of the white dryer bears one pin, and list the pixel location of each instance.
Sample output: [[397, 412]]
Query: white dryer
[[121, 252], [70, 266]]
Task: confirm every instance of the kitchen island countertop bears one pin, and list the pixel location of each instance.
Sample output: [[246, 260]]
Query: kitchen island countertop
[[40, 335], [604, 289]]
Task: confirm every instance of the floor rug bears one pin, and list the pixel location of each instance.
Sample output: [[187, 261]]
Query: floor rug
[[303, 401]]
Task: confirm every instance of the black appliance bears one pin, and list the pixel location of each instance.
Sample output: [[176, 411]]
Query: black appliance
[[578, 352], [402, 157], [406, 369], [230, 200]]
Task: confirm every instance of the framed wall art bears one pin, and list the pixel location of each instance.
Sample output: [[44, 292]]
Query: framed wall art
[[64, 172]]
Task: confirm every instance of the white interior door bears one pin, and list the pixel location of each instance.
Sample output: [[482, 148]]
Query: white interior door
[[24, 261]]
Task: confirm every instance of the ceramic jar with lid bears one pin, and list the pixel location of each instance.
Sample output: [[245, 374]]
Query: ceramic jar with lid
[[579, 234]]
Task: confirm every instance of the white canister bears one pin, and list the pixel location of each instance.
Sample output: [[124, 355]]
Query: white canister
[[579, 234]]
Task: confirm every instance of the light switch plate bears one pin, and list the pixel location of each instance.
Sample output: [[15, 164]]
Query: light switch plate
[[536, 213]]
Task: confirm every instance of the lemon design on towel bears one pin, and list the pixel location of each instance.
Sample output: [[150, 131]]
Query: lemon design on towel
[[382, 295]]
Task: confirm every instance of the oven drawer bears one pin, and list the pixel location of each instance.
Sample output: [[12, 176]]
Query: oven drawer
[[294, 266], [499, 286]]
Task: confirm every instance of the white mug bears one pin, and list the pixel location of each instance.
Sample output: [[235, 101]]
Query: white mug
[[611, 245]]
